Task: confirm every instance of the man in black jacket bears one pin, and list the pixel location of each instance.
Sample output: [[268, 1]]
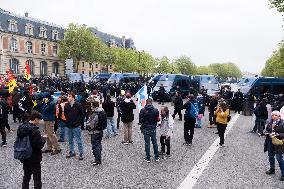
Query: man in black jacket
[[212, 107], [261, 115], [32, 165], [3, 119], [108, 106], [162, 93], [74, 113], [189, 122], [177, 105], [127, 106], [148, 118]]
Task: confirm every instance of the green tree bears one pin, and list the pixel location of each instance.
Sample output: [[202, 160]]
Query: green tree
[[163, 65], [185, 66], [225, 70], [278, 4], [78, 44], [203, 70]]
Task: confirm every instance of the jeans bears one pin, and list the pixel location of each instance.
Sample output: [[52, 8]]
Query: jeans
[[118, 119], [165, 142], [260, 124], [62, 130], [221, 128], [150, 134], [189, 124], [96, 141], [280, 160], [111, 129], [198, 123], [212, 118], [29, 170], [75, 132], [271, 154], [3, 133]]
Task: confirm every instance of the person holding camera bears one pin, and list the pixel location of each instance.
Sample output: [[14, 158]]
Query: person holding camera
[[275, 132], [222, 114]]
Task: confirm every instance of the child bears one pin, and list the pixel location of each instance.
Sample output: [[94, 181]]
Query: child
[[166, 127]]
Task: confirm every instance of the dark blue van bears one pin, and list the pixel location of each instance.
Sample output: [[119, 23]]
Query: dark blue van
[[101, 77], [121, 78], [170, 82], [210, 82], [260, 85]]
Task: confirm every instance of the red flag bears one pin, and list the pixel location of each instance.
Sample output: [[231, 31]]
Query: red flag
[[27, 72]]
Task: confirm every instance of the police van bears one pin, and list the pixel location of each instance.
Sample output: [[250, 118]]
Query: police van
[[170, 83], [121, 78]]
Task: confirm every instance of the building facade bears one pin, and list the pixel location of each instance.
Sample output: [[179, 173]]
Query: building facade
[[27, 40], [24, 39]]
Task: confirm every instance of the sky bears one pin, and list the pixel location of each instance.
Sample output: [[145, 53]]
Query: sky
[[245, 32]]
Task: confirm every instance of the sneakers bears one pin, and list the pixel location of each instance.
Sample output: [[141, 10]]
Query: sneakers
[[4, 144], [125, 143], [95, 163], [55, 152], [70, 155], [187, 144], [221, 145], [157, 160], [147, 160], [270, 172], [130, 142], [81, 157]]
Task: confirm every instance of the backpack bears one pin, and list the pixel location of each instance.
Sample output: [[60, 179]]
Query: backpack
[[193, 113], [22, 148], [97, 121]]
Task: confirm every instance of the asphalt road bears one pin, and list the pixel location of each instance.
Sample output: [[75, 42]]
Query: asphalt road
[[240, 164]]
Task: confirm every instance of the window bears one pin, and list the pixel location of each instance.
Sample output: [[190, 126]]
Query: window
[[31, 66], [55, 68], [90, 74], [14, 66], [54, 34], [83, 72], [29, 46], [110, 66], [54, 50], [29, 29], [14, 45], [13, 25], [42, 32], [43, 48], [90, 65], [43, 68], [97, 65], [83, 64]]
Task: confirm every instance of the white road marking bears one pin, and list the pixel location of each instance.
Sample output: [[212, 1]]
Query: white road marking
[[200, 166]]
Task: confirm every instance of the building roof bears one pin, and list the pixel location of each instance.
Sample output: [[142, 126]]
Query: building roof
[[5, 16]]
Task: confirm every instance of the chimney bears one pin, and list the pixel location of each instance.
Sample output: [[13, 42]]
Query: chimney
[[26, 14]]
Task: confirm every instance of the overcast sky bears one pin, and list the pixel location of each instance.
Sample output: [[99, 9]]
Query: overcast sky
[[245, 32]]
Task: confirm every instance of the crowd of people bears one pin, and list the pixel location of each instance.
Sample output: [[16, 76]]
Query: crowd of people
[[91, 107]]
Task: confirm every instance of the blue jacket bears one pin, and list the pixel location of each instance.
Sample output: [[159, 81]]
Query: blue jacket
[[48, 110]]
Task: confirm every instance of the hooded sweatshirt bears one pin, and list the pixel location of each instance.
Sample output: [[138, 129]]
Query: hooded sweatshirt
[[37, 142], [149, 116]]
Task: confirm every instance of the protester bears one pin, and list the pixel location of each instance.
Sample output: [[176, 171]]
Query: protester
[[119, 100], [74, 113], [16, 96], [48, 114], [211, 108], [3, 119], [275, 129], [148, 118], [108, 106], [222, 114], [162, 93], [127, 117], [96, 123], [166, 132], [60, 113], [261, 115], [32, 165], [189, 120], [178, 103]]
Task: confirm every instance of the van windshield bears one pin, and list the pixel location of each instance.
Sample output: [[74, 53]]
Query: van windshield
[[246, 81]]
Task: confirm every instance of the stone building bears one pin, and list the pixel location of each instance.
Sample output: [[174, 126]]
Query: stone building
[[24, 39]]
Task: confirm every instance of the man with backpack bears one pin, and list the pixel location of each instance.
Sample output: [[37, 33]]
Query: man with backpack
[[96, 123], [148, 118], [190, 116], [30, 158]]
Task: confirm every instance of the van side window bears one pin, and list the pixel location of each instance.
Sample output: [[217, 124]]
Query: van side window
[[264, 89]]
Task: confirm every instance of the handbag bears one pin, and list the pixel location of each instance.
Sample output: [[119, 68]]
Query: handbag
[[276, 141]]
